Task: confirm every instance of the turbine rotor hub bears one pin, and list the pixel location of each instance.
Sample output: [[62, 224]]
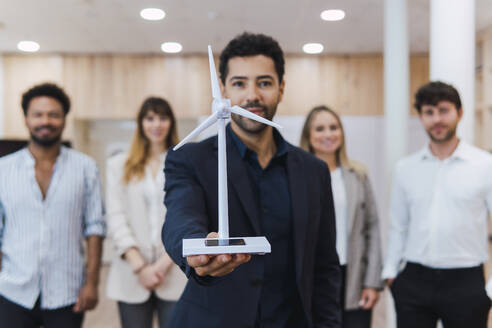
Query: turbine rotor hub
[[221, 106]]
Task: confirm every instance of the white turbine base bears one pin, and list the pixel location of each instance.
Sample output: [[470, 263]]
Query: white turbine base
[[252, 245]]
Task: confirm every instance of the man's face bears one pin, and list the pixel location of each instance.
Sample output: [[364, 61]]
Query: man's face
[[45, 120], [440, 121], [252, 83]]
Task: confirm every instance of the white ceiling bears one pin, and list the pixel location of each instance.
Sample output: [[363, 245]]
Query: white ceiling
[[114, 26]]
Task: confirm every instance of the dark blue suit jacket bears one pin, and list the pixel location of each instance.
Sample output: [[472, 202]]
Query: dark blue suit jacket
[[192, 212]]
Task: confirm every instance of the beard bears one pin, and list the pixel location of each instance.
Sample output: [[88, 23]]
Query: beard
[[451, 132], [250, 126], [45, 142]]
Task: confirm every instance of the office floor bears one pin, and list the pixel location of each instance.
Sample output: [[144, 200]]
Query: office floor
[[106, 313]]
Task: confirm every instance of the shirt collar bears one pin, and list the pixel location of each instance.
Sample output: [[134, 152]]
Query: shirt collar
[[243, 150], [30, 161], [461, 152]]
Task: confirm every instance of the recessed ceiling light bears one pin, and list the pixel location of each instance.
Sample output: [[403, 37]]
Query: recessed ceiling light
[[152, 14], [28, 46], [333, 15], [312, 48], [171, 47]]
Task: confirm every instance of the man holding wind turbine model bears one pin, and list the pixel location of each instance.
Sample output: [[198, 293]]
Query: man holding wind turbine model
[[275, 190]]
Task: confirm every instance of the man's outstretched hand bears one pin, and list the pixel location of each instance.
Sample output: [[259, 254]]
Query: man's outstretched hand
[[216, 265]]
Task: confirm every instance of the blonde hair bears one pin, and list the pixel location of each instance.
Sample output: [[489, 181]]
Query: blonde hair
[[139, 152], [341, 152]]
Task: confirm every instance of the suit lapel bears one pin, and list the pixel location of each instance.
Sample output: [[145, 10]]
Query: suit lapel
[[350, 181], [238, 178], [299, 206]]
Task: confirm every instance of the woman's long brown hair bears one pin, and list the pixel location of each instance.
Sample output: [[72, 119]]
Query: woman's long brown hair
[[138, 154]]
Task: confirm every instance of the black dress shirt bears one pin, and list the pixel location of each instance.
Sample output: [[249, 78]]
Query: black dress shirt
[[279, 302]]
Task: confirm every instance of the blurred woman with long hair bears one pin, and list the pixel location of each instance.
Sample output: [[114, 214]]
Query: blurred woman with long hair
[[142, 277], [357, 221]]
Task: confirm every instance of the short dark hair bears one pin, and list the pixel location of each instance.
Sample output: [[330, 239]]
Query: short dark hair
[[47, 90], [249, 44], [434, 92]]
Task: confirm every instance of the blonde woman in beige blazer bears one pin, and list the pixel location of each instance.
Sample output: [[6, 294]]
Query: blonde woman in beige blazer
[[142, 277], [357, 221]]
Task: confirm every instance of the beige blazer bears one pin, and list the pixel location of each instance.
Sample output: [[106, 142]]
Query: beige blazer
[[129, 225], [364, 257]]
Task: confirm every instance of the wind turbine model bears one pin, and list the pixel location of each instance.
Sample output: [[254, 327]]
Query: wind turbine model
[[221, 111]]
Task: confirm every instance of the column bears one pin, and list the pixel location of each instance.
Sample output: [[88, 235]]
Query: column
[[396, 103], [452, 54]]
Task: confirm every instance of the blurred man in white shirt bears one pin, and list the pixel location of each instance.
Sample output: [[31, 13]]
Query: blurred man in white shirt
[[441, 199], [50, 205]]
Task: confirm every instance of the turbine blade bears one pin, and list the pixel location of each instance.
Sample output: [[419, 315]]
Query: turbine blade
[[243, 112], [205, 124], [213, 75]]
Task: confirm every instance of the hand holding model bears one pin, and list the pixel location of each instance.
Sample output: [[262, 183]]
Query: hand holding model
[[216, 265]]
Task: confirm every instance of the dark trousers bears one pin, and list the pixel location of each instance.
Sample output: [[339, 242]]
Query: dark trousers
[[16, 316], [142, 314], [357, 318], [456, 296]]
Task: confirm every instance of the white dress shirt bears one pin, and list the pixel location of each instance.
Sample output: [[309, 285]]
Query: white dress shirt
[[340, 200], [42, 239], [439, 210], [154, 197]]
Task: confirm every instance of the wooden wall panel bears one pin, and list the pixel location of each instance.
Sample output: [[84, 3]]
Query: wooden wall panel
[[359, 85], [188, 85], [351, 85], [106, 87], [114, 86], [77, 80], [302, 89], [484, 118], [419, 68], [487, 72]]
